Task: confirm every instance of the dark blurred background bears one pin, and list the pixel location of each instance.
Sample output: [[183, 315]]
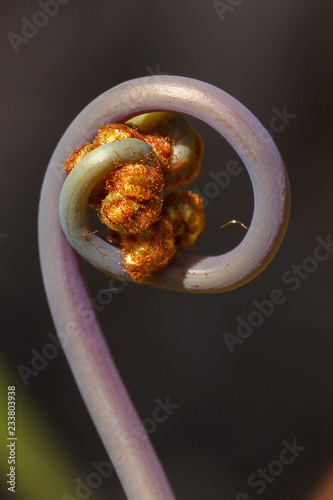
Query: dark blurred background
[[235, 410]]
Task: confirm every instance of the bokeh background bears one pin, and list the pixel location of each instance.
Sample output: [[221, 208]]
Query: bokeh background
[[235, 410]]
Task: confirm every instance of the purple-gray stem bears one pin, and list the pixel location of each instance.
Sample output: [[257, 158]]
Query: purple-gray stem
[[96, 375]]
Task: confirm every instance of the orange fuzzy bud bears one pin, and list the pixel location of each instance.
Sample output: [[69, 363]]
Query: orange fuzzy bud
[[185, 211], [138, 181], [160, 145], [77, 155], [135, 197], [149, 251], [130, 199], [125, 215], [114, 132]]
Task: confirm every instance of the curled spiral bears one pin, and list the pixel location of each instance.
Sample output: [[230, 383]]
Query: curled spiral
[[87, 352], [244, 132], [150, 153]]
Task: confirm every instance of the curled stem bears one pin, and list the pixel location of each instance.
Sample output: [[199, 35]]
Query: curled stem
[[73, 203], [96, 375]]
